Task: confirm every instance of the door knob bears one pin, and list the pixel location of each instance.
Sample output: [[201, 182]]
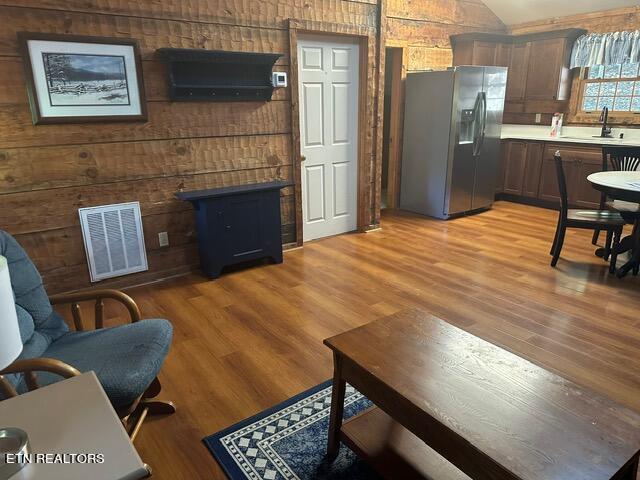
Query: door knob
[[302, 158]]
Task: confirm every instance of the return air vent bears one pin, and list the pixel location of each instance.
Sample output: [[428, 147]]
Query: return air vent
[[113, 240]]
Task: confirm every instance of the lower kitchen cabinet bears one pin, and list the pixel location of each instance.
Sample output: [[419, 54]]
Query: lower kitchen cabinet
[[522, 162], [531, 179], [514, 165], [530, 174]]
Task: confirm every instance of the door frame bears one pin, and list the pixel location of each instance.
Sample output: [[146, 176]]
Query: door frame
[[366, 89], [396, 122]]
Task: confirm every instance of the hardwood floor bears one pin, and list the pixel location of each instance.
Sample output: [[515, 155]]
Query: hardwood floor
[[254, 337]]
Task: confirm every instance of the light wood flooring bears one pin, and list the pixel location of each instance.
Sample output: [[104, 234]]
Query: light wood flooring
[[253, 338]]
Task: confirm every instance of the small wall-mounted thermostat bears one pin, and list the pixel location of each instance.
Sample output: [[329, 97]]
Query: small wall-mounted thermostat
[[279, 79]]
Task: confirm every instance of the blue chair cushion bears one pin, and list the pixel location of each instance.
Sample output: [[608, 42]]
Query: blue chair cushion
[[125, 359], [39, 324]]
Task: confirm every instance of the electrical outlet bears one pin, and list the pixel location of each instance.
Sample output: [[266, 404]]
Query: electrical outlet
[[538, 117], [163, 239]]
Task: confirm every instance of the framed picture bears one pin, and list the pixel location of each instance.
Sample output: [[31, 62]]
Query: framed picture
[[74, 79]]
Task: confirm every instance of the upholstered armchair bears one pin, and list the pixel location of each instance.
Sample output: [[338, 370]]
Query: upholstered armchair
[[126, 359]]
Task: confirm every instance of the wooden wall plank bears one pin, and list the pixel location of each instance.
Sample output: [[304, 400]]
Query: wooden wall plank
[[460, 12], [38, 168], [262, 13], [435, 58], [163, 263], [472, 13], [151, 33], [428, 34], [166, 120], [58, 207], [627, 18]]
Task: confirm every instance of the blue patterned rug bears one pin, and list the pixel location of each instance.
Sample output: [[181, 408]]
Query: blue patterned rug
[[288, 441]]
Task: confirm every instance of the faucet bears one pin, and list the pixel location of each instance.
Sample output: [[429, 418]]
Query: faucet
[[604, 117]]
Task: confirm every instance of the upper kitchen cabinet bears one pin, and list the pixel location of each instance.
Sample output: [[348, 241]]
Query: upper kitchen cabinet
[[518, 67], [480, 49], [548, 75], [539, 76]]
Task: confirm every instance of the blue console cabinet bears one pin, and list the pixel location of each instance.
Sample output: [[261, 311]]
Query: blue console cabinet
[[237, 224]]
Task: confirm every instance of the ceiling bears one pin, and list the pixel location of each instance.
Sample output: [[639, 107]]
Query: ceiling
[[512, 12]]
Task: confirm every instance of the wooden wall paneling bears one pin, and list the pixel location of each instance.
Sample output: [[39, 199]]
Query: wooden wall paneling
[[376, 184], [626, 18], [41, 168], [366, 146], [164, 263], [166, 120], [436, 58], [396, 119], [424, 33], [476, 13], [463, 12], [295, 129], [251, 13], [151, 33], [57, 207]]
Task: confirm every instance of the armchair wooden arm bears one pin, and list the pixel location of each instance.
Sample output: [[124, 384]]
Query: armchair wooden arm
[[98, 296], [29, 367]]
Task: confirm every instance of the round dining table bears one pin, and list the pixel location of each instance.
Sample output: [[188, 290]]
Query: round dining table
[[623, 186]]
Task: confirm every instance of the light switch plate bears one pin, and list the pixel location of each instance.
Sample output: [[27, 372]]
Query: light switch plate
[[163, 239], [538, 117]]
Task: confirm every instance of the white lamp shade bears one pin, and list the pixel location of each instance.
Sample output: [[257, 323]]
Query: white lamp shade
[[10, 342]]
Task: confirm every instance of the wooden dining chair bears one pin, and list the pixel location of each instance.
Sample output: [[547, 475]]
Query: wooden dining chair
[[623, 159], [611, 222]]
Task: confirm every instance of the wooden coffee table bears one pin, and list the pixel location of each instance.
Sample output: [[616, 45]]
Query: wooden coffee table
[[450, 405]]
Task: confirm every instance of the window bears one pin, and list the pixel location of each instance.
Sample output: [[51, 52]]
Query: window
[[614, 86]]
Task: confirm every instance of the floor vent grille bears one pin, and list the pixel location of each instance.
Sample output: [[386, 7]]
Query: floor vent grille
[[113, 240]]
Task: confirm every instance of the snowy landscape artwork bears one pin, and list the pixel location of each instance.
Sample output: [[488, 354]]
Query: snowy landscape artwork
[[77, 79], [80, 79]]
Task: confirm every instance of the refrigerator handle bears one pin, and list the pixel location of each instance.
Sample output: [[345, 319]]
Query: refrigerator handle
[[484, 121], [481, 106]]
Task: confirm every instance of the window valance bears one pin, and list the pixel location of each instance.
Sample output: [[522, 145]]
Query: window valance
[[606, 49]]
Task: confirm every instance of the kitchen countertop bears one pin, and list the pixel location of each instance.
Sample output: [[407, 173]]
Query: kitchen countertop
[[582, 135]]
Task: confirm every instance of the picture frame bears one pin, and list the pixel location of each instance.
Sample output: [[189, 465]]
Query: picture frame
[[78, 78]]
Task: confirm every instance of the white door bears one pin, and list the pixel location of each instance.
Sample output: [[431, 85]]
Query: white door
[[328, 86]]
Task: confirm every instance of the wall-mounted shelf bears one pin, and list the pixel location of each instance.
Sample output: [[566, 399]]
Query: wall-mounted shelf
[[218, 76]]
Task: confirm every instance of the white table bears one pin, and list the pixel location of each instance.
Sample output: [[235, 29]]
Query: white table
[[617, 185], [73, 416]]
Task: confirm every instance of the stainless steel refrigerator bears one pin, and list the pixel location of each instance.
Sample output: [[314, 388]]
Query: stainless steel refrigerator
[[451, 142]]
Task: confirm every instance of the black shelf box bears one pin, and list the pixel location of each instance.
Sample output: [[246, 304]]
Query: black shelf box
[[218, 76]]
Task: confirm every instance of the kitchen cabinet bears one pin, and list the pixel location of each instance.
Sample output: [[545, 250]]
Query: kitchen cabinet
[[515, 162], [539, 79], [484, 53], [479, 49], [578, 163], [548, 70], [533, 166], [522, 164], [503, 55], [529, 173], [517, 76]]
